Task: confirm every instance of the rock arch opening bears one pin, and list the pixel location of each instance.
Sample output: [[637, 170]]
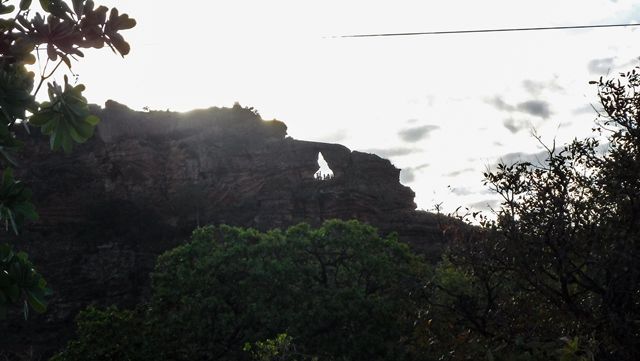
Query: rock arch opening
[[324, 172]]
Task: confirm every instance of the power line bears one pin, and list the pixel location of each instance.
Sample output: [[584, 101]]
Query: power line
[[489, 30]]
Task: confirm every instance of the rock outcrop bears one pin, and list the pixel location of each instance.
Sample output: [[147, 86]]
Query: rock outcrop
[[147, 179]]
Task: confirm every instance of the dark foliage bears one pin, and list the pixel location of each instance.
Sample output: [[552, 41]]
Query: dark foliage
[[556, 274], [339, 292], [62, 31]]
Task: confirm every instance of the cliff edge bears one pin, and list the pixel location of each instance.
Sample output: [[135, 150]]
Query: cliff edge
[[146, 179]]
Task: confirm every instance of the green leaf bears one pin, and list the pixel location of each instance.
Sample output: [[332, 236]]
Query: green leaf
[[55, 140], [19, 282], [15, 202], [67, 144], [76, 136], [50, 126], [40, 119], [93, 120], [113, 15], [6, 9], [29, 59], [60, 9], [51, 52], [65, 117], [66, 60], [101, 14], [84, 130], [45, 5], [25, 4], [24, 22], [88, 6], [7, 177], [27, 209], [12, 219], [120, 44], [125, 22], [79, 88], [35, 301], [78, 7]]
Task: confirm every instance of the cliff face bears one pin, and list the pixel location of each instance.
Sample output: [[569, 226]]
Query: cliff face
[[147, 179]]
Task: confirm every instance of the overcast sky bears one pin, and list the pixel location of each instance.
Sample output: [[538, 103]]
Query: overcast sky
[[441, 108]]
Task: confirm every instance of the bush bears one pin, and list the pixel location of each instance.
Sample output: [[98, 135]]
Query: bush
[[340, 291], [556, 273], [109, 334]]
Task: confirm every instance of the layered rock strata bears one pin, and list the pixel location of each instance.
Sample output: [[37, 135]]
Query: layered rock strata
[[147, 179]]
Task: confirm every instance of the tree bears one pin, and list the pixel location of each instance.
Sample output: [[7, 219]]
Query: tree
[[338, 292], [107, 334], [556, 273], [62, 31], [280, 348]]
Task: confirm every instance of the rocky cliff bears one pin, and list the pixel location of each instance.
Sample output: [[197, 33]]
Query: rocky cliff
[[148, 178]]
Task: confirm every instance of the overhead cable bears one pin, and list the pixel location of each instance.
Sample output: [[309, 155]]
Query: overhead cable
[[472, 31]]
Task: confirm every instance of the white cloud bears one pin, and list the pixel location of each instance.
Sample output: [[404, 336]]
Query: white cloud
[[276, 57]]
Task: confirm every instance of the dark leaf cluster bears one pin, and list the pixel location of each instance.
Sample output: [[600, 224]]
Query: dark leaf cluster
[[555, 273], [60, 33], [19, 282], [338, 292]]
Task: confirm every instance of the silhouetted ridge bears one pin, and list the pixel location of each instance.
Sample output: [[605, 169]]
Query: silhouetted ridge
[[146, 179]]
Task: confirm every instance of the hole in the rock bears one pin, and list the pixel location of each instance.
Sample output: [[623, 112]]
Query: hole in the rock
[[324, 172]]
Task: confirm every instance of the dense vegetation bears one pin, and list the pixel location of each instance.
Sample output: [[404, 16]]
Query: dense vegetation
[[558, 267], [339, 292], [553, 275], [53, 40]]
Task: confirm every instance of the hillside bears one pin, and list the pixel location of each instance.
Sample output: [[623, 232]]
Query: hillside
[[147, 179]]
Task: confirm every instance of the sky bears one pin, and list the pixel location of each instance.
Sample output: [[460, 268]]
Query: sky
[[444, 109]]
